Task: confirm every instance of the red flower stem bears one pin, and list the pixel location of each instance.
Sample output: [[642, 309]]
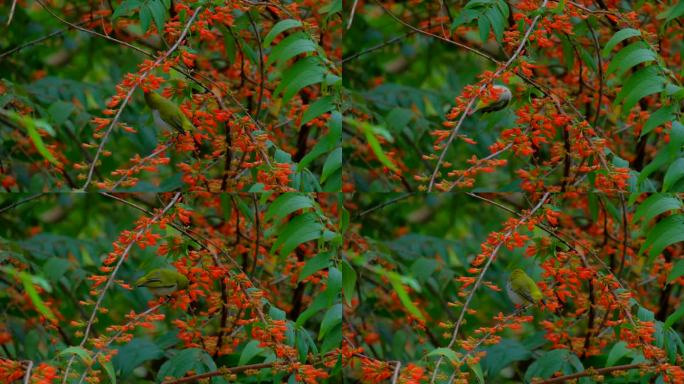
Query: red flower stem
[[454, 335], [498, 72], [110, 281], [130, 93]]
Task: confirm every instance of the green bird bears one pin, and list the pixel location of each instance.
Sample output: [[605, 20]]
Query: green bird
[[505, 97], [167, 115], [162, 281], [522, 289]]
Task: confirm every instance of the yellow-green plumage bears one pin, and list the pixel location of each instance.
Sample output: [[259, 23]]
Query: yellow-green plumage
[[522, 289], [167, 115], [162, 281]]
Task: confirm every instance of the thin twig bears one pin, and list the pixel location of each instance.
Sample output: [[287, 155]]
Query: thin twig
[[418, 30], [27, 375], [117, 334], [376, 47], [130, 94], [384, 204], [9, 21], [227, 370], [261, 66], [112, 276], [22, 201], [592, 372], [351, 15], [476, 285], [46, 37], [498, 72], [397, 368], [142, 161]]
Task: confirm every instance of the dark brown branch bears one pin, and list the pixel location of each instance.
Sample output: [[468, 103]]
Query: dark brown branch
[[261, 66], [221, 372], [592, 372]]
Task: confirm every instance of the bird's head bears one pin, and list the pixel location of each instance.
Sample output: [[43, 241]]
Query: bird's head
[[504, 92], [152, 99]]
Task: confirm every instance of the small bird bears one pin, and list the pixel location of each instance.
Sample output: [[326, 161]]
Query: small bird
[[522, 289], [504, 98], [162, 281], [167, 115]]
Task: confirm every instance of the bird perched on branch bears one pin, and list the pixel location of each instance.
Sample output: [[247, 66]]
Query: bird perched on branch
[[521, 289], [162, 281], [504, 96], [167, 115]]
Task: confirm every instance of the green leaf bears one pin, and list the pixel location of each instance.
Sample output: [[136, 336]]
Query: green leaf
[[27, 281], [477, 370], [397, 285], [674, 317], [634, 54], [656, 204], [348, 281], [588, 58], [644, 82], [497, 21], [250, 350], [332, 317], [192, 359], [373, 142], [315, 264], [32, 126], [557, 360], [616, 353], [158, 11], [287, 203], [60, 111], [299, 230], [501, 355], [145, 17], [290, 47], [673, 12], [446, 352], [78, 351], [676, 272], [332, 164], [279, 28], [55, 268], [668, 231], [133, 354], [619, 36], [674, 172], [304, 72], [329, 141], [125, 8], [109, 368], [483, 25], [319, 107], [658, 118], [335, 6]]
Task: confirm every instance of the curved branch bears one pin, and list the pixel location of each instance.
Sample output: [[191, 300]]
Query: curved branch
[[490, 259]]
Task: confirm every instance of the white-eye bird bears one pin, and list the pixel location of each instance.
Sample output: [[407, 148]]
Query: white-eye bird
[[505, 96], [521, 289], [162, 281], [167, 115]]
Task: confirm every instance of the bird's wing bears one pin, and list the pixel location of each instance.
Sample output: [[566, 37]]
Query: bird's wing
[[154, 280], [176, 122], [174, 119], [524, 295]]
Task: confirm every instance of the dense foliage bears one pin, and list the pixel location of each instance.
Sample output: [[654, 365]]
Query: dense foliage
[[258, 81], [260, 305]]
